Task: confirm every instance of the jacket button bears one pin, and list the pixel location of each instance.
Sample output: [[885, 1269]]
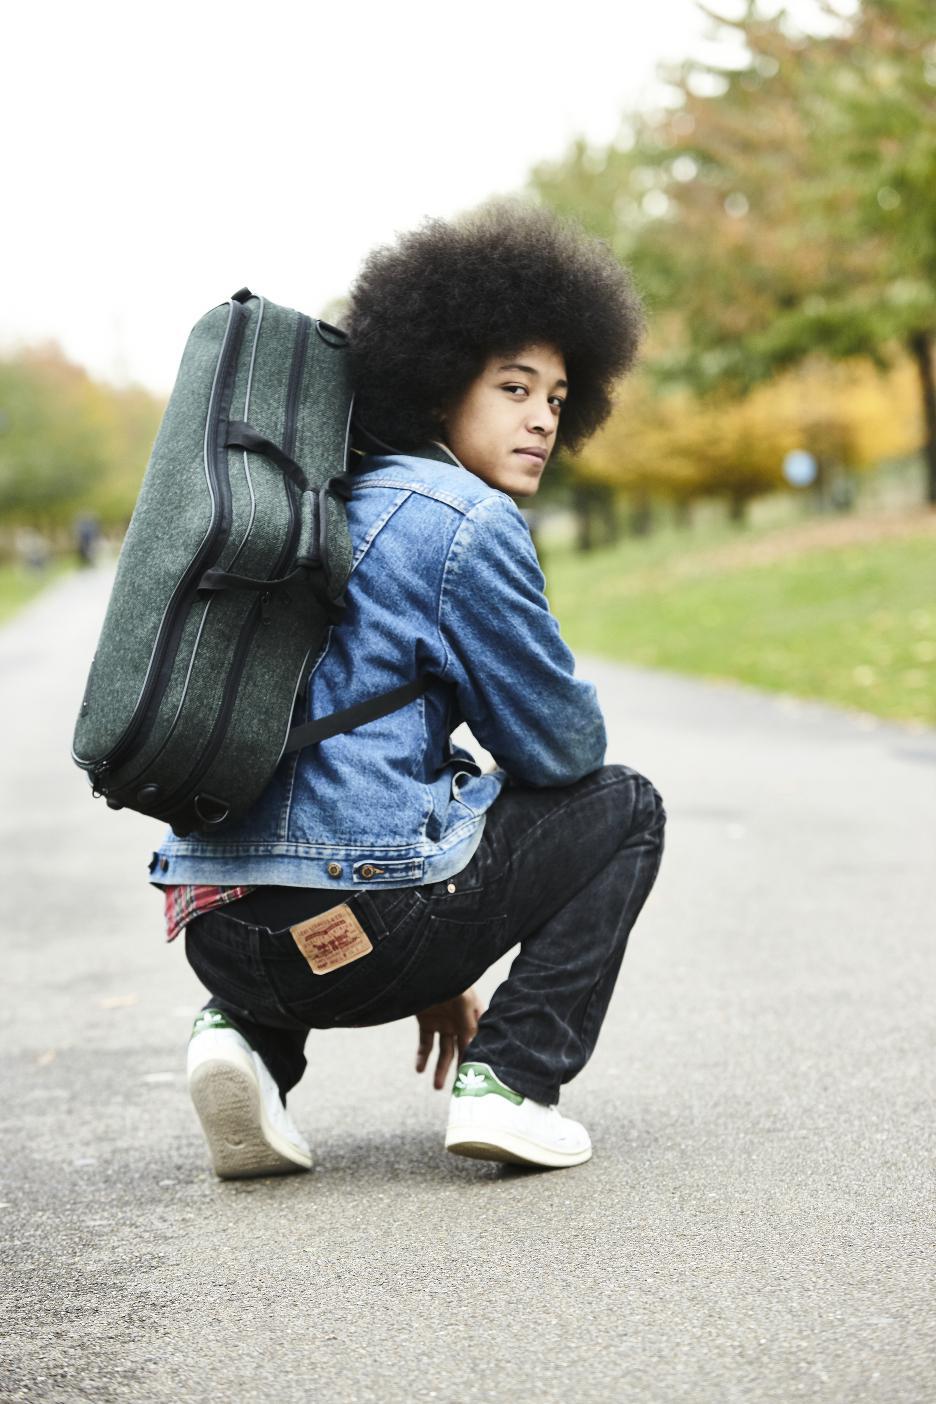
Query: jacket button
[[334, 870], [367, 871]]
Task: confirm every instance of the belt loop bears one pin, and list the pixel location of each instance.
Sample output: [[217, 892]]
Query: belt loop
[[255, 946], [375, 922]]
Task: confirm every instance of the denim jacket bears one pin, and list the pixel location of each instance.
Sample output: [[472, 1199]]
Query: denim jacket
[[444, 580]]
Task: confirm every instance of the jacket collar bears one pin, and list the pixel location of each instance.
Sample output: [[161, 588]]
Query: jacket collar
[[433, 449], [439, 452]]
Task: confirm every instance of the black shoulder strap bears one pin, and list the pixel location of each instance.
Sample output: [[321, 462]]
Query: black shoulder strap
[[438, 452], [366, 442], [350, 717]]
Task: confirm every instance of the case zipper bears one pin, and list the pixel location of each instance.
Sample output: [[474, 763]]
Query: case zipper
[[260, 610], [162, 657]]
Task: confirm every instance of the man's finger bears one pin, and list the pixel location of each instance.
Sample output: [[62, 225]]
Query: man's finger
[[446, 1053], [423, 1051]]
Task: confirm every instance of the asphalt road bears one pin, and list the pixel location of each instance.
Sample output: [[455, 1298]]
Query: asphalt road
[[755, 1224]]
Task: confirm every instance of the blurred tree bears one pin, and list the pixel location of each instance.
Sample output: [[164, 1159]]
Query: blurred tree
[[50, 449], [874, 86], [804, 185], [780, 209], [134, 415], [684, 445], [642, 452], [69, 443]]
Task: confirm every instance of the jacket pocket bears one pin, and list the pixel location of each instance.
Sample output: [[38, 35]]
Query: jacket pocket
[[464, 771]]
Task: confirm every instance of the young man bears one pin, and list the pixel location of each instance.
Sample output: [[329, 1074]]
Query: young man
[[381, 872]]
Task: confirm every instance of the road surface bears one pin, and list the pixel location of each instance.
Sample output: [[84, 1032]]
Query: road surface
[[755, 1224]]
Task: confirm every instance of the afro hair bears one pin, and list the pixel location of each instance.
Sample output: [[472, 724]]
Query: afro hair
[[425, 314]]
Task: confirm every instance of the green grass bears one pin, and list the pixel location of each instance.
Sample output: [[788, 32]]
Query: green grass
[[853, 624], [19, 585]]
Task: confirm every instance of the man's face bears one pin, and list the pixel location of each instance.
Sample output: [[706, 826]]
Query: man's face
[[504, 426]]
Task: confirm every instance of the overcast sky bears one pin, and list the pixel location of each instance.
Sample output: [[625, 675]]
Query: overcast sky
[[158, 157]]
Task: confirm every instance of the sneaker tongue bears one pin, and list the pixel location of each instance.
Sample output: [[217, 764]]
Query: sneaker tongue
[[478, 1080], [210, 1019]]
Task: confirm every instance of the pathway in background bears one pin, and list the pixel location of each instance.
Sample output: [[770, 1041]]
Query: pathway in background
[[755, 1222]]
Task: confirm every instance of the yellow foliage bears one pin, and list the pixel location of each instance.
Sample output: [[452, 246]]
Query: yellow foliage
[[680, 445]]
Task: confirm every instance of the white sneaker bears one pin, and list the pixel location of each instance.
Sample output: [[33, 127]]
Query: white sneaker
[[489, 1121], [248, 1130]]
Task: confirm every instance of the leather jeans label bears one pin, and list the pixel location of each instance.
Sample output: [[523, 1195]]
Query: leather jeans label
[[332, 939]]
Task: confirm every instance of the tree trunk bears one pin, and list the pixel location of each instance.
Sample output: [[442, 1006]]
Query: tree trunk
[[737, 508], [818, 493], [581, 502], [641, 522], [611, 518], [842, 491], [921, 350], [682, 513]]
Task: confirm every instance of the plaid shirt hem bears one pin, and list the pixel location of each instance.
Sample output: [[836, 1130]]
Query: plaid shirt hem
[[185, 903]]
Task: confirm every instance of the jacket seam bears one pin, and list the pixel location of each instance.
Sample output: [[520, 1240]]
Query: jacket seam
[[460, 504], [452, 562], [335, 848], [375, 527], [286, 811]]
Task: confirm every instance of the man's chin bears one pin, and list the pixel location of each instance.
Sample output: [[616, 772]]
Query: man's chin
[[530, 472], [527, 489]]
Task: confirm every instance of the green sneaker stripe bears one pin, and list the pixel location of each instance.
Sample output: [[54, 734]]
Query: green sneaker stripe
[[210, 1019], [477, 1080]]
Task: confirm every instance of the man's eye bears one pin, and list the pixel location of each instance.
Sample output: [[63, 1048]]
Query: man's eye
[[557, 399]]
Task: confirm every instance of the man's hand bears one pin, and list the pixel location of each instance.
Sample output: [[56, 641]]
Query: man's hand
[[456, 1022]]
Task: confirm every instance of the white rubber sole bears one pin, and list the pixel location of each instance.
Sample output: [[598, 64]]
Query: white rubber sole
[[509, 1147], [241, 1141]]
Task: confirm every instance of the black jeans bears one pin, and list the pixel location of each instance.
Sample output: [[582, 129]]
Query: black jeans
[[563, 870]]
